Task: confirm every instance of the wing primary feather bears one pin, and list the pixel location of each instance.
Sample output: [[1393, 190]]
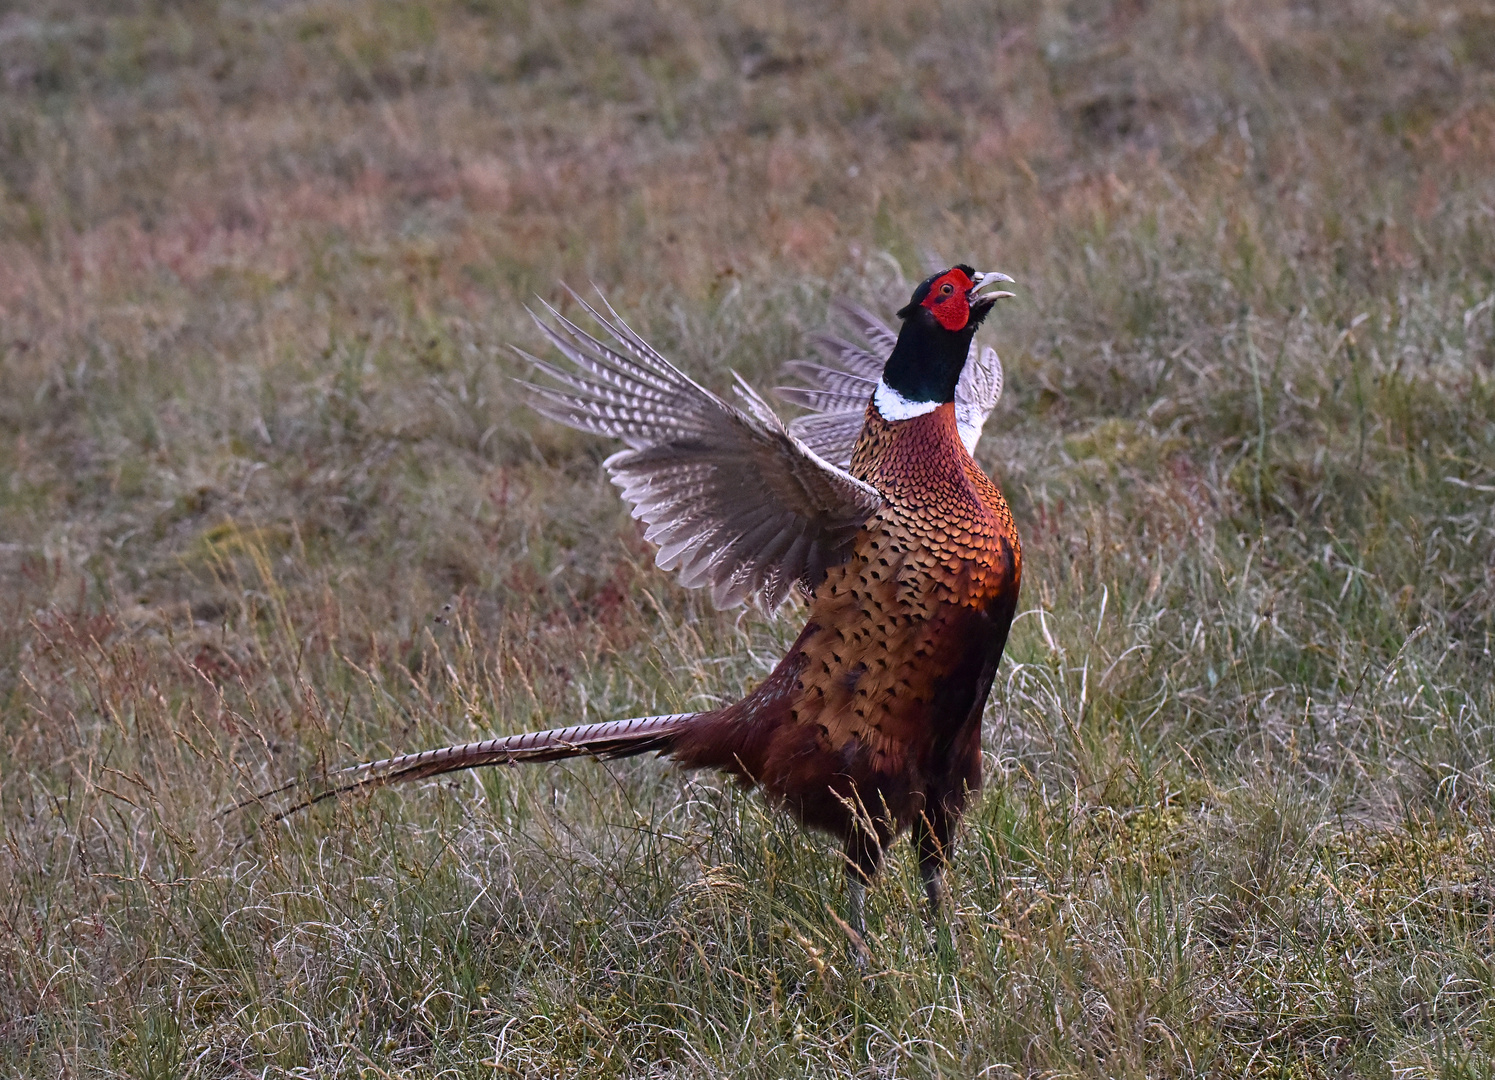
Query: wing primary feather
[[872, 328], [728, 493]]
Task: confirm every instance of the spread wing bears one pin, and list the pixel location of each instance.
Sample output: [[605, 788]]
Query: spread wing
[[734, 501], [836, 390]]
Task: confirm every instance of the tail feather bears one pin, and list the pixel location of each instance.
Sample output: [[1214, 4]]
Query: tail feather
[[612, 739]]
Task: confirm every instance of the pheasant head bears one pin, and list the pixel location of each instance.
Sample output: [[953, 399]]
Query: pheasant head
[[938, 324]]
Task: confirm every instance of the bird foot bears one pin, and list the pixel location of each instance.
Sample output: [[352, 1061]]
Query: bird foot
[[856, 943], [855, 927], [857, 952], [940, 913]]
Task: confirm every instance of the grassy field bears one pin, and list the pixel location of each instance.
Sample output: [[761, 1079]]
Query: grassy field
[[267, 505]]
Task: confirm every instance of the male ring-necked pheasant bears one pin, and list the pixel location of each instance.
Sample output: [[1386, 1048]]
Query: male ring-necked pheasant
[[871, 724]]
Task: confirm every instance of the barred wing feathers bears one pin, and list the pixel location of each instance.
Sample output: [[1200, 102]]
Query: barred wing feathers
[[734, 501]]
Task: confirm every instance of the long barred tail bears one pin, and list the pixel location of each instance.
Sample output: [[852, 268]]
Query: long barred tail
[[613, 739]]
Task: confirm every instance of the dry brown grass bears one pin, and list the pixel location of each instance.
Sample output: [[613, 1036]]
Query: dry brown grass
[[258, 266]]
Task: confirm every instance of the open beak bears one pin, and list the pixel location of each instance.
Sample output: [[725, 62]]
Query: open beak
[[982, 281]]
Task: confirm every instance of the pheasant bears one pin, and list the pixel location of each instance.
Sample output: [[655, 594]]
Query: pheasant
[[870, 725]]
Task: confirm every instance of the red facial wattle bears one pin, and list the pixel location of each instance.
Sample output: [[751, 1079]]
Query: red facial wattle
[[949, 299]]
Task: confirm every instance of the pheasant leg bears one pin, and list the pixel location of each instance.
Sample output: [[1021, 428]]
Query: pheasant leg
[[856, 905], [863, 857], [931, 839]]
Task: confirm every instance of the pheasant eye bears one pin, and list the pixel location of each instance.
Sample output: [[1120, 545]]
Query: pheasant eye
[[946, 289]]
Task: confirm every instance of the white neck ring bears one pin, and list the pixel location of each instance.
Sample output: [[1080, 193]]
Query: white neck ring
[[891, 405]]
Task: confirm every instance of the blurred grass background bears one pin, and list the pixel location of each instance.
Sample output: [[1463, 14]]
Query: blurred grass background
[[267, 505]]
